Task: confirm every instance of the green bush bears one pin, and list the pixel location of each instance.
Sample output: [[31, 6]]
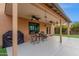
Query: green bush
[[3, 52], [64, 29], [75, 28]]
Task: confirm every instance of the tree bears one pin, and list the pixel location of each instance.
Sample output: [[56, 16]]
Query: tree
[[75, 28], [75, 25], [64, 29]]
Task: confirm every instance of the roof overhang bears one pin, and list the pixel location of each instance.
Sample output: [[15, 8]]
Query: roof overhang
[[32, 10], [59, 11]]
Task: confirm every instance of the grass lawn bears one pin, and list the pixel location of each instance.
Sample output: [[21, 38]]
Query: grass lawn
[[3, 52], [72, 36]]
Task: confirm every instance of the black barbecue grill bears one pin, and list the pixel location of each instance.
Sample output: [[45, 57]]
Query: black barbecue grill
[[7, 38]]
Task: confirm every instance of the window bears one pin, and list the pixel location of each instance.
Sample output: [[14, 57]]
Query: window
[[33, 27]]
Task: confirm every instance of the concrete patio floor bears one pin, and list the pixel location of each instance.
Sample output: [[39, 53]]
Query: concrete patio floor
[[50, 47]]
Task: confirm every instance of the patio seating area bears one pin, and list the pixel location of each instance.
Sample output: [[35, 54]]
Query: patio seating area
[[37, 37], [49, 47]]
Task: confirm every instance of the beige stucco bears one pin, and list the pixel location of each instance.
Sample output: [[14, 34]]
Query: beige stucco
[[5, 22]]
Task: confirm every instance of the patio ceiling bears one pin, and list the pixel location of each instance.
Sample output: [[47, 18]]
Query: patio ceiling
[[27, 10]]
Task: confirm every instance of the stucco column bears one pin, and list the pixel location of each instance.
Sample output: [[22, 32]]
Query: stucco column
[[52, 29], [60, 31], [14, 27], [68, 30]]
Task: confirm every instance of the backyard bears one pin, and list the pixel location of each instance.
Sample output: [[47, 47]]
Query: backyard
[[71, 36]]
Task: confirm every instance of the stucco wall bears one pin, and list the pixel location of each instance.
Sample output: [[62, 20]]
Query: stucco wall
[[5, 22], [43, 27], [23, 27]]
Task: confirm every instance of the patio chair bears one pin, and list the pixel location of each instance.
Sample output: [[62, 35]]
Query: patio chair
[[33, 37], [38, 37], [43, 36]]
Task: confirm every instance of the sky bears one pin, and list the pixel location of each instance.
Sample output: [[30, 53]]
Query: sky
[[71, 10]]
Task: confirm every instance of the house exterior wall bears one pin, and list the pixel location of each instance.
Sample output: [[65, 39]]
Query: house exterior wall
[[5, 22], [23, 27]]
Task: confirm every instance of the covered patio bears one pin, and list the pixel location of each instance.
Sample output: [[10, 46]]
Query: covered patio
[[50, 16]]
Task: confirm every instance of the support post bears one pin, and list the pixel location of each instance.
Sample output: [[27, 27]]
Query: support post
[[52, 29], [68, 31], [60, 31], [14, 27]]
